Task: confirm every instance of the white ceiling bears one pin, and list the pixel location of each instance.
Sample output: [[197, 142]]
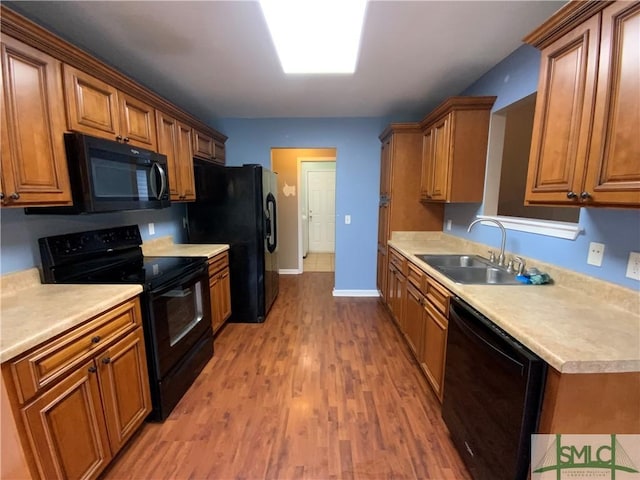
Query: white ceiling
[[216, 58]]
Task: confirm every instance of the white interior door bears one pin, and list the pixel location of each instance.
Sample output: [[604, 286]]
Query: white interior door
[[321, 191]]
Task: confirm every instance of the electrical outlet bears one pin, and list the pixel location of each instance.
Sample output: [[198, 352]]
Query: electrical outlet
[[596, 252], [633, 267], [152, 229], [347, 219], [448, 224]]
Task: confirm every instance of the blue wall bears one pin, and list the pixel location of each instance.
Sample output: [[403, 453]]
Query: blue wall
[[510, 80], [357, 178], [20, 232]]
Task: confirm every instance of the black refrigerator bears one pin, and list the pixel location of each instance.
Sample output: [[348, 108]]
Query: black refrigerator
[[238, 206]]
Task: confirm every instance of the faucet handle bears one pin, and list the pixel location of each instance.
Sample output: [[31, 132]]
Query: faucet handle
[[492, 256], [521, 264]]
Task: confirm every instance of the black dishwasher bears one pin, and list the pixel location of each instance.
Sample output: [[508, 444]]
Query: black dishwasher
[[493, 389]]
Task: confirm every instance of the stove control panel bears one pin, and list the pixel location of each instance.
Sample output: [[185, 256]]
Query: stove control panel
[[54, 250]]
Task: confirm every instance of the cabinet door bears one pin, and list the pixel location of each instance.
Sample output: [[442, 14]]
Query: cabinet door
[[382, 272], [220, 153], [92, 105], [441, 142], [185, 163], [385, 168], [383, 223], [426, 176], [613, 171], [137, 122], [414, 321], [435, 346], [564, 107], [203, 146], [225, 294], [214, 294], [66, 428], [167, 128], [125, 387], [34, 166]]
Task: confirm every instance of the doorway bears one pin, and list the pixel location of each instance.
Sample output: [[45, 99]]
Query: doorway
[[292, 203]]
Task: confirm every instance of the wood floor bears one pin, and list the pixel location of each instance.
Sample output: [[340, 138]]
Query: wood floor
[[324, 389]]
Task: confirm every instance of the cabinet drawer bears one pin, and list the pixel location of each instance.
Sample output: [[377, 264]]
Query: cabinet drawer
[[40, 368], [438, 296], [218, 262], [415, 276], [398, 261]]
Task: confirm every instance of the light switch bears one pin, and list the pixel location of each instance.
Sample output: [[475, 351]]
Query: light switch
[[347, 219]]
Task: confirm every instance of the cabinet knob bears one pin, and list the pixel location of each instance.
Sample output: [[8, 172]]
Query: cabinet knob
[[118, 137], [14, 196], [571, 195], [96, 339], [92, 369], [1, 196], [125, 139], [585, 195], [106, 360]]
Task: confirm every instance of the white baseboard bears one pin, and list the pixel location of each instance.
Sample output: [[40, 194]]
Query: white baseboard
[[355, 293], [290, 271]]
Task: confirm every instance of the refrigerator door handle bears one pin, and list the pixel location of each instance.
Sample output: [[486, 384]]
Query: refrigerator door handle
[[272, 226]]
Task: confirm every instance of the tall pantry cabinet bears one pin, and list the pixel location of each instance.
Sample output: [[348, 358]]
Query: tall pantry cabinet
[[400, 208]]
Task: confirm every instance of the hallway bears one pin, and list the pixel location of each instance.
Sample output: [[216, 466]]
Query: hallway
[[319, 262], [324, 389]]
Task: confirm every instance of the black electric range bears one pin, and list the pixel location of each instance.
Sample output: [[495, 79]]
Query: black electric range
[[175, 301]]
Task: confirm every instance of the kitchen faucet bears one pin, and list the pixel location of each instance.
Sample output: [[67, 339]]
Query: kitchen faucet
[[504, 236]]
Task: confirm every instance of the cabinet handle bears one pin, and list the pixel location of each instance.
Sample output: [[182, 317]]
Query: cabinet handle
[[106, 360], [118, 137], [125, 139], [1, 196], [92, 369], [96, 339], [585, 195], [571, 195], [14, 196]]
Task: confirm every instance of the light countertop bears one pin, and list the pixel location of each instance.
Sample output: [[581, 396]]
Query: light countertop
[[32, 313], [164, 247], [592, 329]]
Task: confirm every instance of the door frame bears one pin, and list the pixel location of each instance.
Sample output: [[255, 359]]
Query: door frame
[[300, 222]]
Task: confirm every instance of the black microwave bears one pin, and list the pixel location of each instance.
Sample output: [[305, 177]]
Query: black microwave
[[108, 176]]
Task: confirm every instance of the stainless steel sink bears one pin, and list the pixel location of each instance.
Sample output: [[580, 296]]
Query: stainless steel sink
[[468, 261], [479, 276], [470, 269]]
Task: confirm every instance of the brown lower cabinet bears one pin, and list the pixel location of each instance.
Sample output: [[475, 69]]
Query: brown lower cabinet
[[220, 289], [71, 427], [421, 316]]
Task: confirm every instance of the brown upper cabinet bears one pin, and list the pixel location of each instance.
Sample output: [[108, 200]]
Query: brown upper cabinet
[[206, 148], [399, 208], [34, 166], [585, 148], [45, 78], [97, 108], [174, 141], [454, 150]]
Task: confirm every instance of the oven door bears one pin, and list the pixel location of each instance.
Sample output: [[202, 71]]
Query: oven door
[[181, 315]]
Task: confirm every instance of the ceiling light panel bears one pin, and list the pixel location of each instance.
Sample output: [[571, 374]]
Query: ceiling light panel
[[316, 36]]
